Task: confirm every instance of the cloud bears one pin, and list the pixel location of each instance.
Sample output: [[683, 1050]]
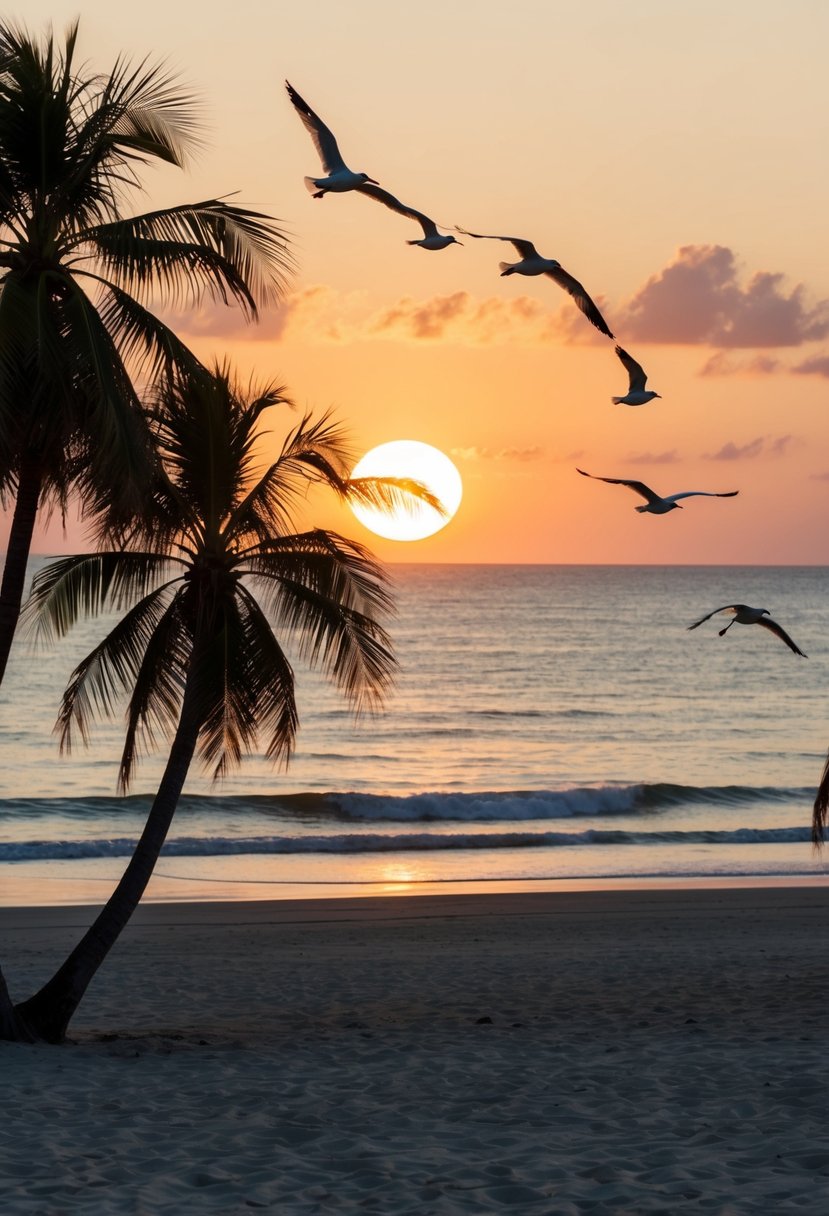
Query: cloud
[[321, 314], [819, 366], [724, 364], [470, 321], [670, 457], [761, 446], [314, 309], [698, 299], [731, 451], [778, 446], [482, 453]]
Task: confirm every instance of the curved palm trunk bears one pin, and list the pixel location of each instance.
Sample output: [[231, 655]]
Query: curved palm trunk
[[29, 486], [47, 1014], [11, 1026]]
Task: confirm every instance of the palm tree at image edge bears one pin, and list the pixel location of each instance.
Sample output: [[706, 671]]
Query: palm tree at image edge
[[78, 276]]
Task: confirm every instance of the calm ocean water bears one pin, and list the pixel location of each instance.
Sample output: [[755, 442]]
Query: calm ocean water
[[548, 723]]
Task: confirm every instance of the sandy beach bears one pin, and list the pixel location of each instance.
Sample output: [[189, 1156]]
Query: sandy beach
[[604, 1052]]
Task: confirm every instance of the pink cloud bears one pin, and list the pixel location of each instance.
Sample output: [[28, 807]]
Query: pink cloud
[[320, 314], [317, 310], [725, 364], [761, 446], [819, 366], [670, 457], [779, 446], [698, 299], [469, 320]]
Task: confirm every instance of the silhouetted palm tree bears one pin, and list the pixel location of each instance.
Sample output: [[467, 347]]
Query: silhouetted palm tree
[[820, 810], [77, 276], [196, 651]]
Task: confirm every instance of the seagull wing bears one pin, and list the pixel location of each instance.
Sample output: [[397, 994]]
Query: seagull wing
[[429, 226], [726, 608], [700, 494], [526, 248], [638, 487], [768, 623], [582, 299], [324, 141], [635, 371]]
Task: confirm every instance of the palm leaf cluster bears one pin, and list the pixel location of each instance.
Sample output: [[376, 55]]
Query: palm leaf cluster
[[215, 577], [78, 274]]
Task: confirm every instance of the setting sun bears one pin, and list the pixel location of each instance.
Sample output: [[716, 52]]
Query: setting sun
[[422, 462]]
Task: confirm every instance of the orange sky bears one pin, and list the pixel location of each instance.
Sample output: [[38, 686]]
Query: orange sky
[[670, 156]]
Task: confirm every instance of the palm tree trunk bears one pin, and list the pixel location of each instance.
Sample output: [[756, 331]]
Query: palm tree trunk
[[11, 1027], [46, 1016], [29, 486]]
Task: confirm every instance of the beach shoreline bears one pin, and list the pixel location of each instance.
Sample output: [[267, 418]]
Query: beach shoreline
[[537, 1052], [19, 888]]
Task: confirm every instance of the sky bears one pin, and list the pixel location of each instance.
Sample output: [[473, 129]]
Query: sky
[[670, 156]]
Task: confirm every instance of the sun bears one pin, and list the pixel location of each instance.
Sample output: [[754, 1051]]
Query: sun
[[422, 462]]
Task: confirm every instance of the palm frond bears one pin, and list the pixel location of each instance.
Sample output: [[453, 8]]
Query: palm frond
[[157, 688], [85, 584], [244, 683], [111, 668], [18, 369], [205, 428], [273, 686], [214, 246], [151, 115], [119, 456], [820, 810], [331, 600], [315, 558], [314, 450], [144, 341], [392, 494]]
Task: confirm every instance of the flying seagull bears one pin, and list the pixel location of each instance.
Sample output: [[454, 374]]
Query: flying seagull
[[533, 263], [655, 504], [637, 394], [743, 615], [431, 239], [340, 177]]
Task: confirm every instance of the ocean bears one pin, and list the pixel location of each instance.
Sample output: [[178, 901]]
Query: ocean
[[551, 725]]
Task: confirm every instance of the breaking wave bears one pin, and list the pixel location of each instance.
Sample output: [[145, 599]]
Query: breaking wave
[[387, 842]]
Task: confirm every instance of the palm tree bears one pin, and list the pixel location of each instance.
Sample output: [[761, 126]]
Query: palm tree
[[820, 809], [196, 652], [77, 276]]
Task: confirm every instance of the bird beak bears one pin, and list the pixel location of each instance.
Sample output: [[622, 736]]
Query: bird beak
[[373, 180]]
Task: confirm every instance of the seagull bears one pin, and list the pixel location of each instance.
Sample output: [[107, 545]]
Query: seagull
[[655, 504], [533, 263], [340, 177], [637, 394], [431, 239], [743, 615]]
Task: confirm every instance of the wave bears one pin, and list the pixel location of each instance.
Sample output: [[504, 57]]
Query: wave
[[382, 842], [516, 805], [504, 806]]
